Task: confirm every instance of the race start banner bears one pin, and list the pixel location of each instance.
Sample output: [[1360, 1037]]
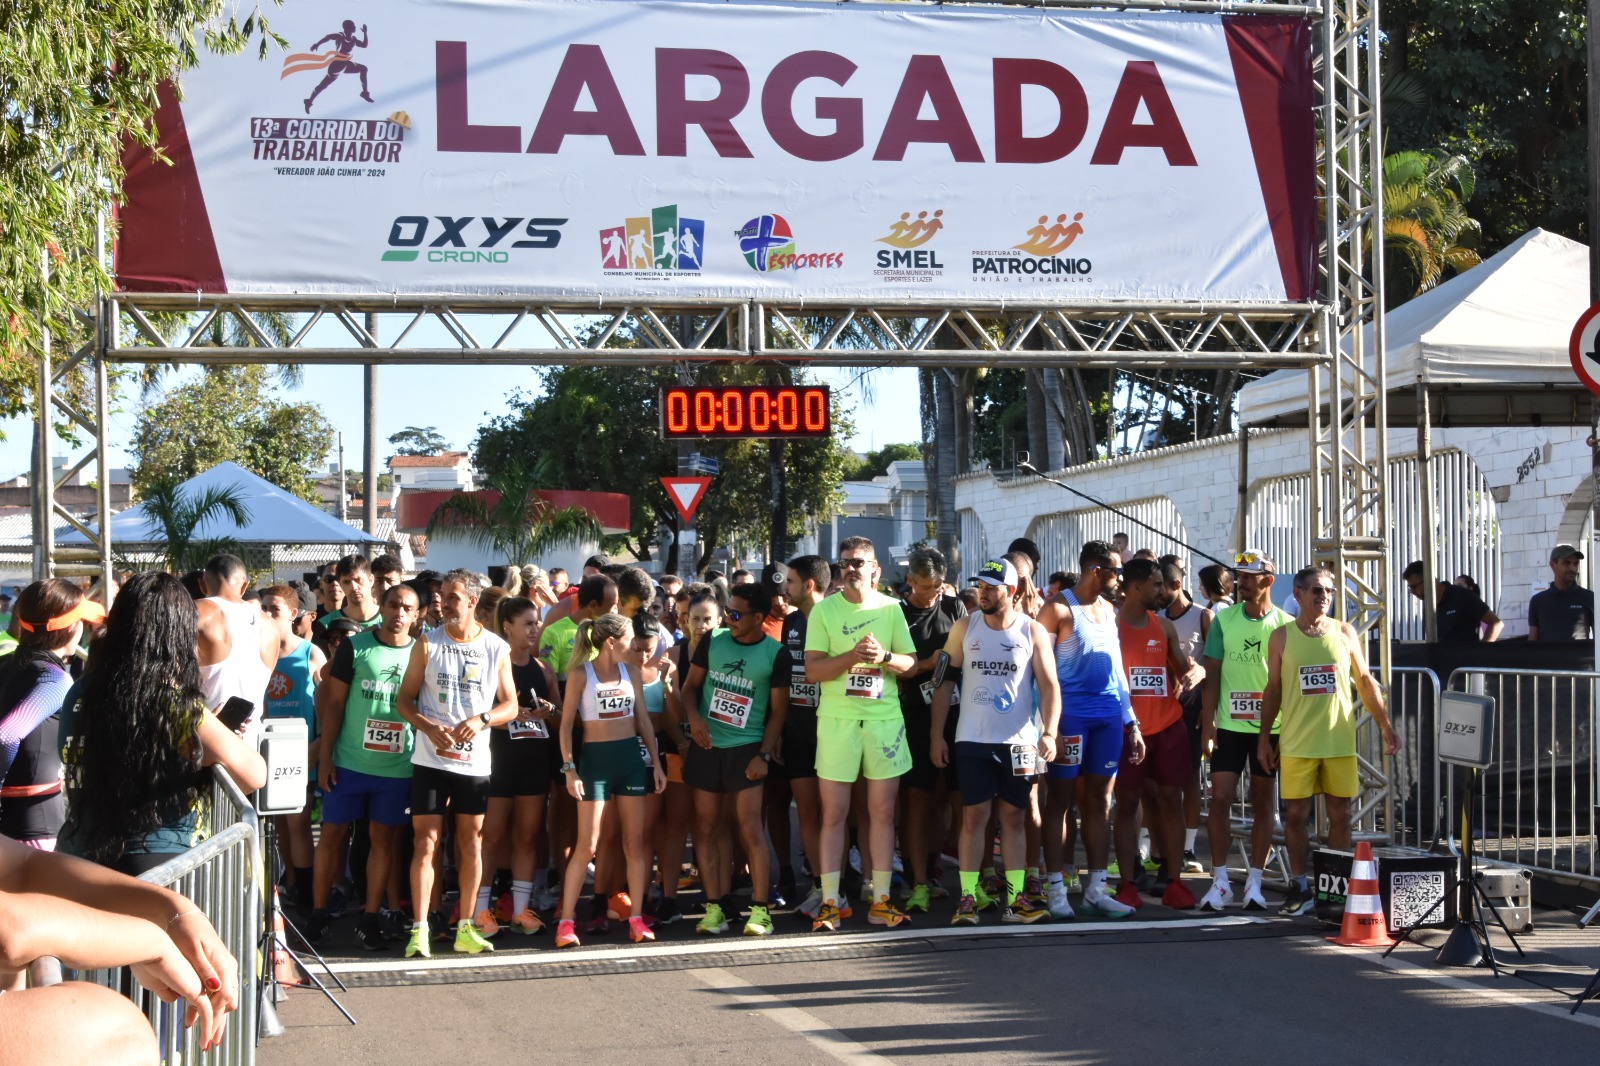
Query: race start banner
[[571, 150]]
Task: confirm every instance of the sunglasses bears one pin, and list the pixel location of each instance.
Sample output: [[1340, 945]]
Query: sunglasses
[[733, 615], [854, 564], [1109, 568]]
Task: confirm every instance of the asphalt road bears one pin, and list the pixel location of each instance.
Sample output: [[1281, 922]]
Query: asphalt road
[[1176, 989]]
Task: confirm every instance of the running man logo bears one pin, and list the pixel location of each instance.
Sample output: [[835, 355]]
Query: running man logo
[[336, 62], [1046, 239], [279, 686], [662, 241], [909, 233], [393, 675], [768, 245]]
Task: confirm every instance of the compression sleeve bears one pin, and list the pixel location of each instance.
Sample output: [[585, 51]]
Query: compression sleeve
[[43, 700]]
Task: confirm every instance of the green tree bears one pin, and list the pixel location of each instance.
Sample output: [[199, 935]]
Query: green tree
[[1427, 235], [509, 518], [1502, 84], [78, 81], [179, 512], [876, 464], [231, 413], [419, 440]]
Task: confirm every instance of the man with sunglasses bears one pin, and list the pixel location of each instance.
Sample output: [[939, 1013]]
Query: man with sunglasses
[[1097, 719], [1311, 665], [857, 646], [1235, 659]]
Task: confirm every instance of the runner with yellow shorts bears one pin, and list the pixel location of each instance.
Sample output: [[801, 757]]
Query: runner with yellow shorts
[[1311, 664], [857, 646]]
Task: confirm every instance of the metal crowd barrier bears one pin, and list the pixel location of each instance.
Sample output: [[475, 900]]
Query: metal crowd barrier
[[221, 876], [1536, 804]]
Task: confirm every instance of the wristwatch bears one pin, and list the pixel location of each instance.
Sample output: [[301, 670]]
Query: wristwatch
[[484, 718], [766, 756], [568, 767], [886, 657]]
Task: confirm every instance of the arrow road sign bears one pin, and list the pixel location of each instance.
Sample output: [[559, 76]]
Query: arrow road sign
[[686, 493]]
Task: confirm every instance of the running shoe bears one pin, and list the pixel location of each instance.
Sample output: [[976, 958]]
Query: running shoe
[[1057, 904], [918, 900], [1191, 863], [369, 932], [469, 940], [488, 926], [828, 918], [668, 911], [1158, 887], [1220, 897], [418, 944], [714, 923], [989, 883], [1099, 902], [639, 930], [1033, 888], [1022, 910], [812, 904], [1074, 883], [1253, 899], [396, 924], [966, 912], [689, 880], [786, 890], [502, 908], [1114, 870], [1151, 865], [1299, 903], [846, 912], [759, 922], [566, 933], [619, 906], [884, 912], [316, 925], [866, 892], [984, 900], [937, 890], [1128, 896], [441, 927], [546, 898], [527, 922], [1177, 896]]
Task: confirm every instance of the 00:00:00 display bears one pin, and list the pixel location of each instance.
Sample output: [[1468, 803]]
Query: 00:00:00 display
[[747, 411]]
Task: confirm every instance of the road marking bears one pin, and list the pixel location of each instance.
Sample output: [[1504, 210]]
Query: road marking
[[1460, 984], [816, 1032], [832, 942]]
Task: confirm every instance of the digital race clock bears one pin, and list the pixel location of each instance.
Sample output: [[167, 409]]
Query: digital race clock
[[723, 411]]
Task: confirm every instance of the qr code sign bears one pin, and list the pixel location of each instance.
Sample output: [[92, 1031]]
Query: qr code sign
[[1412, 894]]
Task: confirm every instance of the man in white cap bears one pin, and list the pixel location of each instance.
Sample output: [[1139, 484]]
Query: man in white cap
[[1565, 610], [1004, 659]]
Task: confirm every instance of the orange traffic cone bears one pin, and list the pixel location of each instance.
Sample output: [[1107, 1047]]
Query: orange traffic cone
[[284, 970], [1364, 924]]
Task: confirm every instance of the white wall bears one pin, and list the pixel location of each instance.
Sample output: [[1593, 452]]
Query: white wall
[[1532, 474], [447, 551]]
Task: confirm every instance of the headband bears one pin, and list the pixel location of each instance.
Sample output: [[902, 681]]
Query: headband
[[87, 611]]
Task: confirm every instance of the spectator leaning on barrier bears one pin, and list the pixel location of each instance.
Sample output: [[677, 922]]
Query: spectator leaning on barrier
[[1463, 617], [1565, 610]]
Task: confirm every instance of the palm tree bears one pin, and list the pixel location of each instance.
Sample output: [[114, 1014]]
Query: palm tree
[[1427, 234], [518, 525], [179, 513]]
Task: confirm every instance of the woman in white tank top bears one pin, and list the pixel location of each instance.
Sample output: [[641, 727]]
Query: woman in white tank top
[[620, 762]]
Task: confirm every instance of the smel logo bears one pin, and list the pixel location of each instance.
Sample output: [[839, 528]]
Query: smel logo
[[1040, 260], [662, 242], [905, 259], [468, 238], [768, 245], [333, 147]]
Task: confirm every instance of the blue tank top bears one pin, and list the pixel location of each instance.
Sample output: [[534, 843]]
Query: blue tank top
[[1089, 666], [655, 696], [290, 690]]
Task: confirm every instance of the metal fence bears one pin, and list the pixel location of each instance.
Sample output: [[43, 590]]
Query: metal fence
[[1062, 535], [222, 876], [1536, 804]]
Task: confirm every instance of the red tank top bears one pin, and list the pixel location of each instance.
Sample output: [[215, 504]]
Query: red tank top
[[1153, 690]]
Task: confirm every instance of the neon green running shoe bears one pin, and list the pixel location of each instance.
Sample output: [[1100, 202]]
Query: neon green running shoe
[[418, 944], [469, 940], [982, 901], [759, 922], [918, 900], [714, 922]]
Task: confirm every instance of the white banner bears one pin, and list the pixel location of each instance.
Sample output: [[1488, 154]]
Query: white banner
[[623, 149]]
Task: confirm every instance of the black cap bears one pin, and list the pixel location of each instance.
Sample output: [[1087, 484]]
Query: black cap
[[773, 575]]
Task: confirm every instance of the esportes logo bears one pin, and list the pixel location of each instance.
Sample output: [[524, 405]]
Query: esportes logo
[[768, 244]]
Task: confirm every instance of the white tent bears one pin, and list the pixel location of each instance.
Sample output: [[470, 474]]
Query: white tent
[[1489, 345], [276, 516]]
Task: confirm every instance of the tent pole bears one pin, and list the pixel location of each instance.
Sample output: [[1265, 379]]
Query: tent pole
[[1430, 568]]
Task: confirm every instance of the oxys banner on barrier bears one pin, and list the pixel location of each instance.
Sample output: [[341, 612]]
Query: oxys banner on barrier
[[623, 149]]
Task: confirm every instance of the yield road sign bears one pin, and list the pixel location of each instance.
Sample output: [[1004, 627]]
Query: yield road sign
[[686, 493], [1585, 349]]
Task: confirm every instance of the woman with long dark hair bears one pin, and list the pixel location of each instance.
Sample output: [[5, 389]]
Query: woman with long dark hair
[[138, 738]]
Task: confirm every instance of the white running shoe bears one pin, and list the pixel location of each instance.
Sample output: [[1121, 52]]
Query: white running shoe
[[1253, 900], [812, 904], [546, 899], [1098, 901], [1219, 898], [1058, 906]]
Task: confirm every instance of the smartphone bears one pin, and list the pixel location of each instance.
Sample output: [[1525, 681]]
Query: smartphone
[[235, 713]]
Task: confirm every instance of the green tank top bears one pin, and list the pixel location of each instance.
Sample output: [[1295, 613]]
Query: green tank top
[[1239, 642], [738, 688], [1316, 715], [375, 739]]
